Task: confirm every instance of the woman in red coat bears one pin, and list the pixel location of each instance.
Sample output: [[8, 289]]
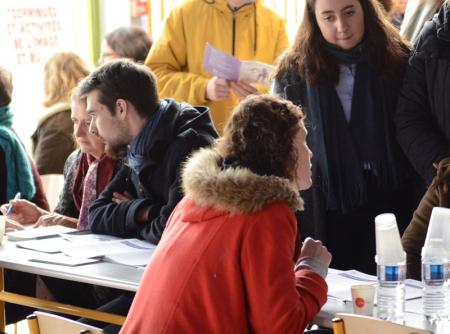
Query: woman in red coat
[[229, 260]]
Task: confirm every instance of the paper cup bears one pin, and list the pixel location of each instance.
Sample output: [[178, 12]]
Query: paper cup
[[2, 227], [362, 299]]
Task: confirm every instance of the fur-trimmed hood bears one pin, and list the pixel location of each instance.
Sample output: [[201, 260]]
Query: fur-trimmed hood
[[233, 189]]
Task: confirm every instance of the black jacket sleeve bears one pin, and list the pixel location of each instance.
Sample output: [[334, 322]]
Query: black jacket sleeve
[[108, 217], [417, 131]]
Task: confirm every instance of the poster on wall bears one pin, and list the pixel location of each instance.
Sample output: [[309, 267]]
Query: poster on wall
[[30, 32]]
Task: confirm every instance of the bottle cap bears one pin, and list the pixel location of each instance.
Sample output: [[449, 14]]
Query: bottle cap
[[439, 228], [389, 247]]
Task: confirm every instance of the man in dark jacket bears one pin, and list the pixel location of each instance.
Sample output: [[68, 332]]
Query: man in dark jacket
[[423, 113], [158, 135]]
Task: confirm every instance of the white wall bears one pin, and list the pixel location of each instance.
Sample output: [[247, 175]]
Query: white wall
[[30, 32]]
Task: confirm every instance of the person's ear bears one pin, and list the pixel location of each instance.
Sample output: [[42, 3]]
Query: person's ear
[[121, 109]]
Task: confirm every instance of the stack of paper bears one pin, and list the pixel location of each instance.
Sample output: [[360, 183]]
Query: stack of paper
[[126, 251], [340, 282], [38, 233]]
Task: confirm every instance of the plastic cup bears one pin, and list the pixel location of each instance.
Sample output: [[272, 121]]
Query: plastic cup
[[388, 242], [362, 299], [2, 227], [439, 228]]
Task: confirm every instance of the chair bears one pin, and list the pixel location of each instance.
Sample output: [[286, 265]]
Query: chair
[[357, 324], [53, 184], [47, 323]]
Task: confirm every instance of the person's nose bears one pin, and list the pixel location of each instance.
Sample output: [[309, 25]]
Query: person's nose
[[93, 127], [79, 130], [341, 25]]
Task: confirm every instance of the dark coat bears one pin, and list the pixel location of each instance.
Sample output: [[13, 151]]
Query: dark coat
[[53, 140], [423, 118], [414, 237], [181, 130]]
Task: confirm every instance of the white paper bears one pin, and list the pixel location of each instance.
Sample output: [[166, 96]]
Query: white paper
[[255, 71], [60, 259], [228, 67], [37, 233], [137, 258], [88, 238], [339, 284], [100, 249], [51, 246]]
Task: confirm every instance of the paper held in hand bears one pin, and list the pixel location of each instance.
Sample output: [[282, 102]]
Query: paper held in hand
[[225, 66]]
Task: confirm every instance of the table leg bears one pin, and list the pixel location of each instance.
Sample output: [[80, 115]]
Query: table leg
[[2, 303]]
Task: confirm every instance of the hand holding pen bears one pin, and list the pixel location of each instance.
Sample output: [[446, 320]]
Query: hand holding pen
[[12, 225], [11, 207]]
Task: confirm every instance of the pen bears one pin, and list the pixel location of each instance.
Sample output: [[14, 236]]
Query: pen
[[11, 207]]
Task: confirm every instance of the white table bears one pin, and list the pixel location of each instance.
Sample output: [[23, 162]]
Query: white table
[[412, 319], [102, 273]]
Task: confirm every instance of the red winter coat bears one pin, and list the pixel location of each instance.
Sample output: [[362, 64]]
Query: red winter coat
[[225, 263]]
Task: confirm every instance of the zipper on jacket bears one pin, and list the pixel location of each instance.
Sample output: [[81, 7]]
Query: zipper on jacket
[[234, 31], [234, 13]]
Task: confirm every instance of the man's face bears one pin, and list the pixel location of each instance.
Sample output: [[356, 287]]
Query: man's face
[[109, 127]]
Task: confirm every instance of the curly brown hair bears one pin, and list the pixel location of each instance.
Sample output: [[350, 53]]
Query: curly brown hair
[[383, 47], [261, 133]]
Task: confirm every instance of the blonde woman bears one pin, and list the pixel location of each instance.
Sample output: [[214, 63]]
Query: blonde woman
[[53, 139]]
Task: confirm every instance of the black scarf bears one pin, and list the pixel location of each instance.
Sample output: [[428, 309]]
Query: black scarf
[[352, 154], [138, 152]]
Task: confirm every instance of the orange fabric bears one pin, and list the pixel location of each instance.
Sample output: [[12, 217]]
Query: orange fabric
[[216, 273]]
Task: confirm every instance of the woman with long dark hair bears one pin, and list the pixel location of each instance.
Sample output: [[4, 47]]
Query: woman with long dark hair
[[345, 69]]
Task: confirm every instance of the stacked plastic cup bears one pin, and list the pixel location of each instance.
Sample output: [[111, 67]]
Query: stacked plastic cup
[[391, 269], [435, 266]]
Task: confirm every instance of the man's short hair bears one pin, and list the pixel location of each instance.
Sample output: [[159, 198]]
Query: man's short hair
[[6, 87], [123, 79]]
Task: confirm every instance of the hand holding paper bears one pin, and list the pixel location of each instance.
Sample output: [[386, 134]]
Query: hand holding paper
[[243, 89], [217, 89], [225, 66]]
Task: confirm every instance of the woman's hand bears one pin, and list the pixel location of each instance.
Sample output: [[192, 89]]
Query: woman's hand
[[12, 226], [24, 212], [314, 249], [50, 220], [120, 197]]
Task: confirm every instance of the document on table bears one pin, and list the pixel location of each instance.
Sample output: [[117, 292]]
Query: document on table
[[50, 246], [61, 259], [136, 258], [340, 282], [228, 67], [101, 249], [38, 233]]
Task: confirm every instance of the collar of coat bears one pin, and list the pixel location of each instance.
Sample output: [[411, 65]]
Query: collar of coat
[[53, 110], [237, 190], [223, 6], [441, 19]]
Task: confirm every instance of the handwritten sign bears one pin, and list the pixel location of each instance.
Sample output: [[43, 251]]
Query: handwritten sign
[[33, 31]]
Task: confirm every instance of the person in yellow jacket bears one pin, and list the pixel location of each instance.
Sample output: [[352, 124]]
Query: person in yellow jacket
[[246, 29]]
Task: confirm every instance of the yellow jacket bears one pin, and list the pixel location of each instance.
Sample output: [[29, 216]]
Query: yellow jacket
[[176, 57]]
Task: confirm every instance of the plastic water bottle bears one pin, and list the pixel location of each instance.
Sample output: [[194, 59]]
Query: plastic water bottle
[[391, 269], [391, 292], [436, 293]]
